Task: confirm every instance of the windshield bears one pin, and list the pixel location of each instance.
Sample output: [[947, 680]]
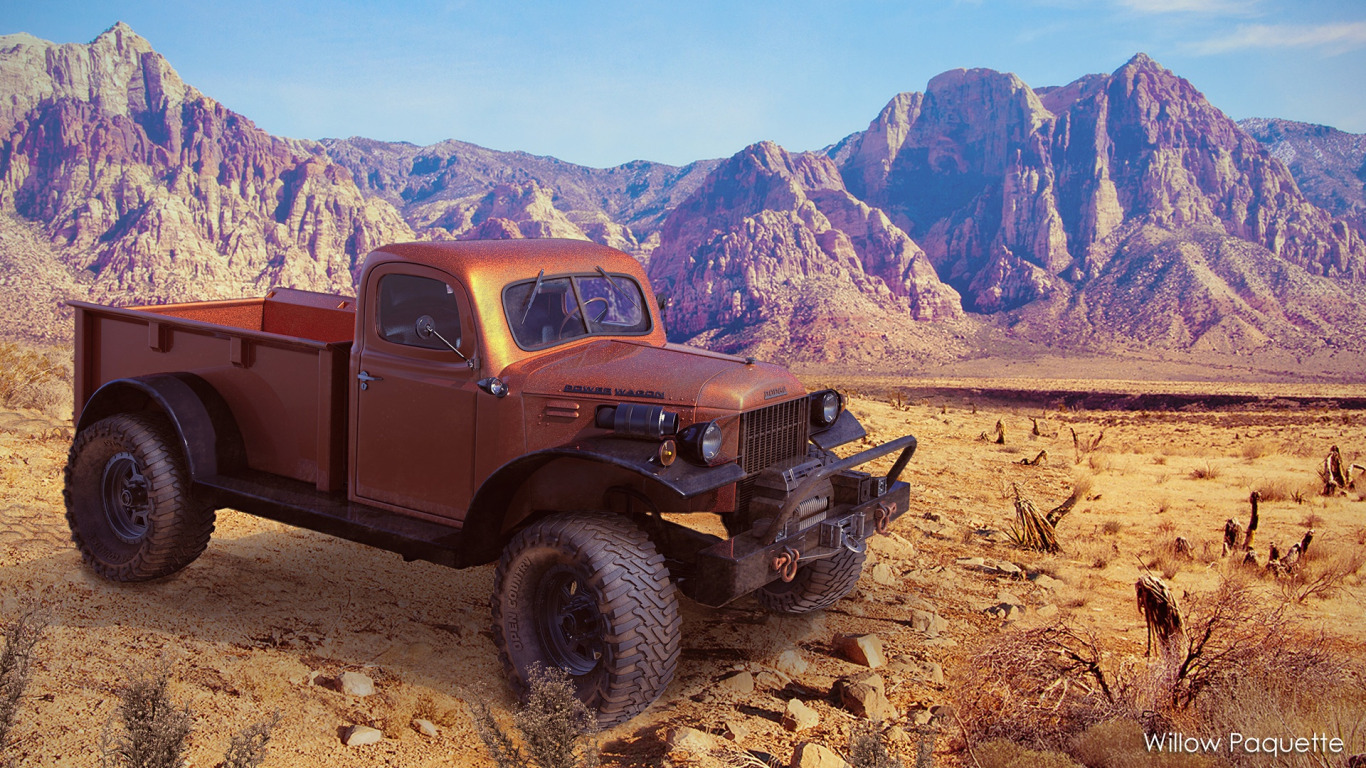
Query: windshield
[[546, 311]]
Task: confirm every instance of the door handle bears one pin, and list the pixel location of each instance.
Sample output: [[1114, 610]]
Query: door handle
[[366, 378]]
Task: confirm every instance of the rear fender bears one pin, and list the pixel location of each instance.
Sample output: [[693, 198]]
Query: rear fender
[[208, 433]]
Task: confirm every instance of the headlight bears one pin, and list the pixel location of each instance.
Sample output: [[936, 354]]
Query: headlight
[[701, 442], [825, 408]]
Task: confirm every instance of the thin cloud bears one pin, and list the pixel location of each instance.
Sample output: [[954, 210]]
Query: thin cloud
[[1331, 38], [1205, 7]]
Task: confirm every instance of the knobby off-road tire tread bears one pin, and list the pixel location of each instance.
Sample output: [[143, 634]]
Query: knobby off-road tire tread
[[179, 527], [818, 584], [637, 599]]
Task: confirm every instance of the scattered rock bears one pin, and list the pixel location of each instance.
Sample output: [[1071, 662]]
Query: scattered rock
[[1047, 611], [884, 575], [361, 735], [1006, 568], [941, 642], [771, 678], [1010, 597], [692, 741], [1004, 611], [799, 716], [792, 663], [355, 684], [862, 649], [972, 562], [1045, 581], [735, 730], [865, 695], [921, 716], [810, 755], [925, 672], [928, 622], [424, 727], [737, 682]]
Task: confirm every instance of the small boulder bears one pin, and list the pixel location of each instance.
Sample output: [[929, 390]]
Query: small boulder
[[1006, 568], [862, 649], [928, 622], [866, 696], [355, 684], [1047, 611], [693, 741], [734, 730], [799, 716], [884, 575], [425, 727], [809, 755], [740, 682], [361, 735], [791, 663]]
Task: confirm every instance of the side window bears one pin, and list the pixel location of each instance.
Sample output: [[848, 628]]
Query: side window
[[406, 299]]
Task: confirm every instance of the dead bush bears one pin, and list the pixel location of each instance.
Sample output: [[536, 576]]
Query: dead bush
[[553, 726], [247, 749], [21, 636], [1256, 449], [868, 746], [154, 728], [1323, 570], [1038, 687], [1207, 472], [29, 379]]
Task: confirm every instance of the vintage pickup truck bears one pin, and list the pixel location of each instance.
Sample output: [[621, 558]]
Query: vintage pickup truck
[[510, 401]]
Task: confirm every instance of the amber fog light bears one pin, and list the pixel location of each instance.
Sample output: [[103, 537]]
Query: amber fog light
[[668, 451]]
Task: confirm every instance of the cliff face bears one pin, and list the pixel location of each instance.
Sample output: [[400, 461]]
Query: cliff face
[[155, 191], [1013, 192], [768, 229], [1328, 165]]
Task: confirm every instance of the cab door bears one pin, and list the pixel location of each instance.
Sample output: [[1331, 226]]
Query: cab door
[[414, 430]]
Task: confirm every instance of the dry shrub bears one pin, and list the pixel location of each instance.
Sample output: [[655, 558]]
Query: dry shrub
[[1038, 687], [553, 725], [1160, 458], [1284, 490], [1166, 561], [20, 636], [1111, 527], [1267, 706], [1093, 552], [1100, 462], [868, 746], [1207, 472], [29, 379], [1000, 753], [247, 749], [1325, 568], [154, 728], [1120, 744]]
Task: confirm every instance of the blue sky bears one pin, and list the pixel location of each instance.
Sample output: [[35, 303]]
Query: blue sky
[[602, 82]]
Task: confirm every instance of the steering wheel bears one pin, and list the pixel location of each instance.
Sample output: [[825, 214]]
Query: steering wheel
[[576, 310]]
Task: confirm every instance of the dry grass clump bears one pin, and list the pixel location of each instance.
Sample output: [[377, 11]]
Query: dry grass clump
[[1283, 490], [1257, 449], [554, 726], [1120, 744], [29, 379], [1207, 472], [20, 636]]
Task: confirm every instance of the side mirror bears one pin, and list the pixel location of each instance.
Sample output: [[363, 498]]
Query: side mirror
[[664, 302], [425, 328], [494, 386]]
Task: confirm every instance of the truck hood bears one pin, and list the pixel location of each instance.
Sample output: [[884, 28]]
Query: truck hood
[[624, 371]]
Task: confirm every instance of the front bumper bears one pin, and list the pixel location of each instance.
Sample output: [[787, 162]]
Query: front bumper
[[734, 567]]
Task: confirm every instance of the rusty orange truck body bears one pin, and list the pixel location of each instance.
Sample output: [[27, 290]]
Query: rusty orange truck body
[[509, 401]]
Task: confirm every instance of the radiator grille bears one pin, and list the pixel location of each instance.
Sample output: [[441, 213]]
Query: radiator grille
[[769, 435]]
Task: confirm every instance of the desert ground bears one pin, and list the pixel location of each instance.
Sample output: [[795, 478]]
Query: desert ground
[[269, 614]]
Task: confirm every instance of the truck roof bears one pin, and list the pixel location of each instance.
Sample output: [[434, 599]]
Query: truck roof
[[499, 262]]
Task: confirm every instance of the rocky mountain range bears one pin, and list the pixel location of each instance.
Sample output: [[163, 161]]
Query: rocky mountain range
[[1119, 210]]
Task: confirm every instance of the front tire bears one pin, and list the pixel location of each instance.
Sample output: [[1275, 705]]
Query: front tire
[[128, 499], [590, 594], [817, 585]]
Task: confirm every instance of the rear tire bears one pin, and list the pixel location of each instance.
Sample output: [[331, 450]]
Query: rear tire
[[818, 585], [588, 593], [128, 499]]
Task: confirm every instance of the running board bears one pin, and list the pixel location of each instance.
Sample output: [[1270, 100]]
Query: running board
[[300, 504]]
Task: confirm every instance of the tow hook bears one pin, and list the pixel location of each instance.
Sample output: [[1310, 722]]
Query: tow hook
[[882, 517], [786, 563]]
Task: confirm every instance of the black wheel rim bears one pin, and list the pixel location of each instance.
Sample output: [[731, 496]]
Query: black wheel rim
[[126, 506], [570, 624]]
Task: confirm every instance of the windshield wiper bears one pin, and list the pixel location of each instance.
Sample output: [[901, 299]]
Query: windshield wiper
[[535, 291], [617, 288]]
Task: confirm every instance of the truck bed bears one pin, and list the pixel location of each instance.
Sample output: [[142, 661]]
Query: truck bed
[[279, 361]]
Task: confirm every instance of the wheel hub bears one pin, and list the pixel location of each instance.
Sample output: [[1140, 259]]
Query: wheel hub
[[126, 505], [570, 625]]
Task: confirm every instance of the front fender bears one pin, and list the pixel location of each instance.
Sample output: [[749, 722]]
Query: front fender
[[484, 522]]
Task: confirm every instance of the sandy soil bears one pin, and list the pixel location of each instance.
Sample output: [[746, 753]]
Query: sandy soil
[[244, 631]]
